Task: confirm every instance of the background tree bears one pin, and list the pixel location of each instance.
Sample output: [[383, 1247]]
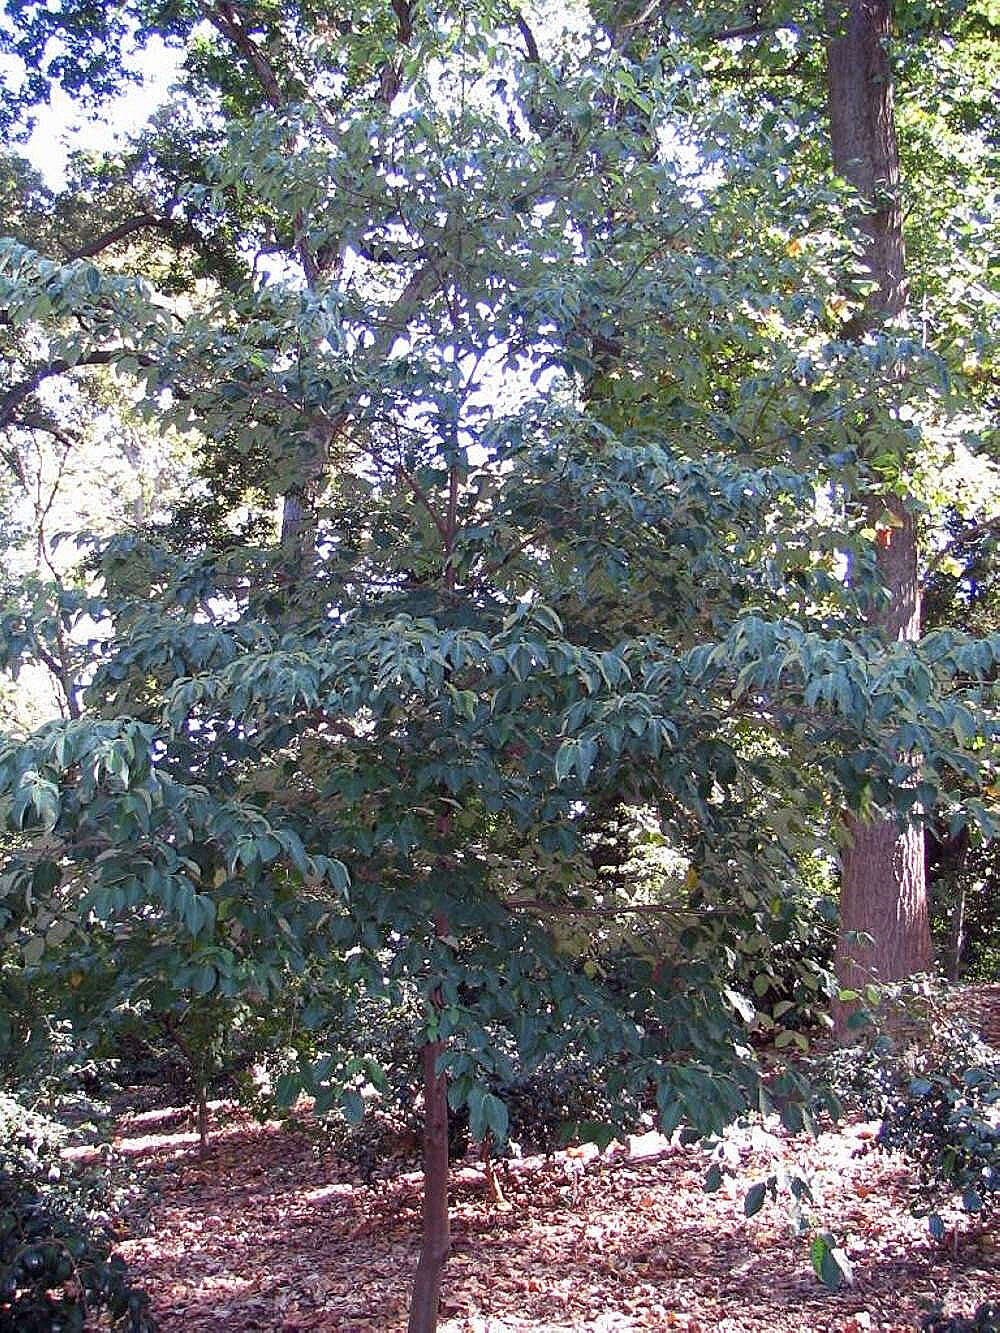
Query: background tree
[[794, 80], [883, 892]]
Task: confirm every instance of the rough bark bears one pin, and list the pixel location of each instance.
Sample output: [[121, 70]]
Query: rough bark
[[883, 877], [436, 1234], [884, 891], [863, 139]]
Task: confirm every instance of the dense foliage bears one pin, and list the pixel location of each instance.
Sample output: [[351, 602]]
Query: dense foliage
[[928, 1037], [951, 1132], [986, 1319], [537, 472], [56, 1266]]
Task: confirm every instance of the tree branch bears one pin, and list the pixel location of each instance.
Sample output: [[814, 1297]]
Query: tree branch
[[226, 18], [744, 30], [982, 529], [421, 495], [16, 395], [141, 222], [530, 45]]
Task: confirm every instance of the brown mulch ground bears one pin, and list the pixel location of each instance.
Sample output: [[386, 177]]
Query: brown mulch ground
[[265, 1233]]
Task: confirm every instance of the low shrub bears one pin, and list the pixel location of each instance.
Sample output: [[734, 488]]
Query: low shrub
[[950, 1130], [57, 1272], [562, 1101], [985, 1320], [922, 1035], [862, 1078]]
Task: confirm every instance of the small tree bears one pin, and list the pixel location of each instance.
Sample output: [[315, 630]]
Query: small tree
[[504, 598]]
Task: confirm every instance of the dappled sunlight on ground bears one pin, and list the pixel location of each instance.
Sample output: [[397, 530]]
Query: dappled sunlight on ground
[[266, 1232]]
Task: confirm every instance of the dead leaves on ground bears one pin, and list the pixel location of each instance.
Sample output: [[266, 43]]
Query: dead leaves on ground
[[265, 1233]]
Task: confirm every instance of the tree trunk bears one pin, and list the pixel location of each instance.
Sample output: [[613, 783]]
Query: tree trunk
[[203, 1124], [884, 888], [863, 139], [956, 937], [494, 1191], [436, 1236]]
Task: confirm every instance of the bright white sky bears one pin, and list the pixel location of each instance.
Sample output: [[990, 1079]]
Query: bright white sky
[[62, 127]]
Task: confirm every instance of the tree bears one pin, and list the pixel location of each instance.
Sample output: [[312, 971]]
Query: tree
[[883, 889], [514, 587], [785, 71]]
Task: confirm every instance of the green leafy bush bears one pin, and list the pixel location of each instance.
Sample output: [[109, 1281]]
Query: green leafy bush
[[924, 1037], [862, 1078], [951, 1131], [985, 1320], [560, 1100], [57, 1271]]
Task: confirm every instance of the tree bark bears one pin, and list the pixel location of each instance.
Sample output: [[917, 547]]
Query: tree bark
[[203, 1121], [883, 876], [884, 888], [863, 139], [436, 1235]]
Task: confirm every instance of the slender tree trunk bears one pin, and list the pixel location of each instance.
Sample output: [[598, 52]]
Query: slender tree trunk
[[884, 890], [956, 940], [203, 1122], [436, 1235], [493, 1188]]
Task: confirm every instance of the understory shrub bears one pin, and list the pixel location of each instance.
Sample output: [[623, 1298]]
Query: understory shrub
[[57, 1272], [920, 1035], [561, 1100], [985, 1320], [950, 1130]]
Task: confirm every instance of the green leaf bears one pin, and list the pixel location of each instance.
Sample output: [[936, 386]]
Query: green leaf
[[800, 1189], [495, 1113], [597, 1132], [713, 1180], [830, 1264], [476, 1102], [753, 1201], [353, 1106], [203, 979], [792, 1117], [34, 950], [565, 759], [287, 1088]]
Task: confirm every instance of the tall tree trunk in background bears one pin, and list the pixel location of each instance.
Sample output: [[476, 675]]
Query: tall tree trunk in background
[[884, 889]]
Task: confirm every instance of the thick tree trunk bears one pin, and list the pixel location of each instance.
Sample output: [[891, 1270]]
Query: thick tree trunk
[[863, 138], [883, 877], [884, 890], [436, 1237], [883, 895]]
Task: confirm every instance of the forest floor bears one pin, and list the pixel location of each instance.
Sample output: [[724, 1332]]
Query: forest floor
[[267, 1231]]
